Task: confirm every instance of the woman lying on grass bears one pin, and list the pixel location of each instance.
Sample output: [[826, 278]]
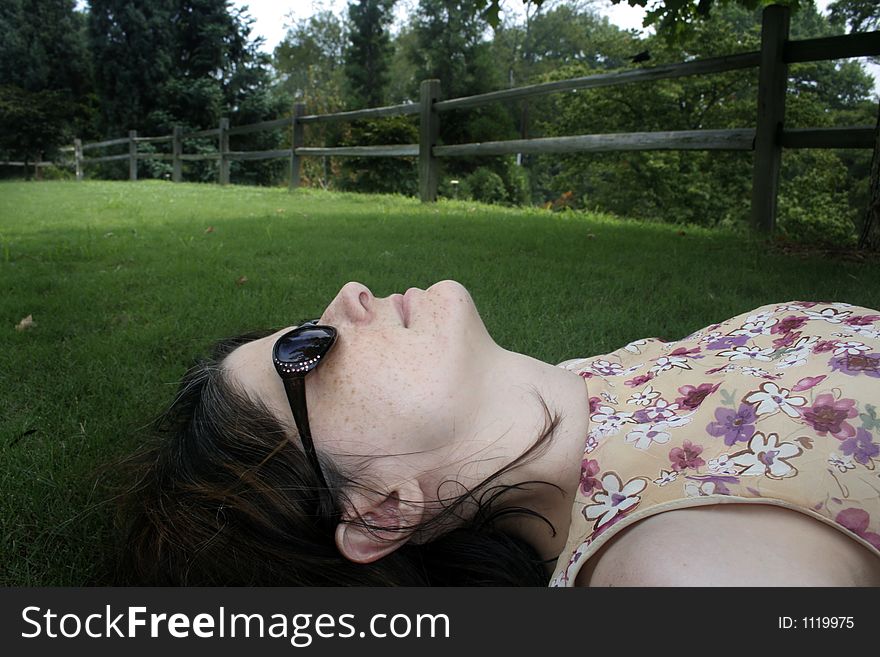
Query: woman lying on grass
[[392, 442]]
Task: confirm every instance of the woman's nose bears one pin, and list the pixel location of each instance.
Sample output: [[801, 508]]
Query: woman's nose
[[357, 301]]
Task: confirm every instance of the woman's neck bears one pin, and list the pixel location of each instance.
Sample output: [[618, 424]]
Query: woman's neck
[[507, 418]]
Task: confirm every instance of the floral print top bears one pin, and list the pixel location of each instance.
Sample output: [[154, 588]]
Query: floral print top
[[774, 406]]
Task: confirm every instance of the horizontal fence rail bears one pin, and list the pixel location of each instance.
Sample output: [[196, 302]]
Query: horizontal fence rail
[[258, 155], [665, 72], [403, 150], [152, 140], [358, 115], [856, 137], [18, 163], [865, 44], [727, 140], [766, 140]]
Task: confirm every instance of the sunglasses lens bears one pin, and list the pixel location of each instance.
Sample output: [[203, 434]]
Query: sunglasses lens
[[303, 347]]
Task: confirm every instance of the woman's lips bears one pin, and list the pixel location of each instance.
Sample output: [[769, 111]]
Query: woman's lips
[[400, 302], [408, 302]]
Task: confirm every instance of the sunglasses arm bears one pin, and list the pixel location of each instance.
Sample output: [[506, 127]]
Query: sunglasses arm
[[296, 395]]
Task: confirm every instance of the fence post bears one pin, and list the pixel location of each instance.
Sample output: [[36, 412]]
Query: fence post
[[224, 151], [870, 237], [772, 80], [78, 158], [176, 148], [132, 155], [297, 140], [429, 129]]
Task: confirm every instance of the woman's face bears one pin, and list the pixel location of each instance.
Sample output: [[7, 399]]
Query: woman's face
[[403, 378]]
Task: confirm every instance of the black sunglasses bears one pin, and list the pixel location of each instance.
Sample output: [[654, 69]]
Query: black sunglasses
[[296, 353]]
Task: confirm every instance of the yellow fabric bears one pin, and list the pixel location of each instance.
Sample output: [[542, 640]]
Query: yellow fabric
[[777, 405]]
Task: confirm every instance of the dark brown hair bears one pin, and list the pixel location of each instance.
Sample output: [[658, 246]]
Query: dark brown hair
[[222, 496]]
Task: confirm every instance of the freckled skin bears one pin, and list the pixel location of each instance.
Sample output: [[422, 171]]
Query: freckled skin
[[439, 400], [400, 389]]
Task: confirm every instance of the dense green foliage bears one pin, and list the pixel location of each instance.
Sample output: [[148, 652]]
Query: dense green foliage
[[368, 54], [823, 193], [674, 19], [154, 273], [45, 78], [181, 62], [150, 65]]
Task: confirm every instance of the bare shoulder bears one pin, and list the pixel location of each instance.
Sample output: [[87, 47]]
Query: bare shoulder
[[731, 545]]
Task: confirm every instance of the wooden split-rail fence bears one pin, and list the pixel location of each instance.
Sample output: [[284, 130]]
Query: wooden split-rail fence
[[767, 139]]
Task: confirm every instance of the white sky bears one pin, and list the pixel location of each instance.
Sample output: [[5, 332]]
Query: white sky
[[272, 17]]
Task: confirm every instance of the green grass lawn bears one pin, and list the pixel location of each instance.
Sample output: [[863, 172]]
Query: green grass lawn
[[128, 282]]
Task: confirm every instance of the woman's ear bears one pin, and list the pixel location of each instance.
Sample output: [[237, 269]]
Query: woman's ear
[[390, 521]]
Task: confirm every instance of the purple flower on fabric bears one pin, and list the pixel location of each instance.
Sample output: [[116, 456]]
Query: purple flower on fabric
[[589, 482], [823, 346], [853, 365], [861, 447], [787, 340], [733, 426], [728, 342], [829, 415], [687, 353], [639, 380], [693, 397], [808, 382], [686, 456], [857, 521], [788, 324], [861, 320]]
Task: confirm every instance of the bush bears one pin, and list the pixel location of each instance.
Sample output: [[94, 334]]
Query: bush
[[153, 168], [824, 221], [813, 206], [516, 181], [54, 172], [484, 185], [380, 175]]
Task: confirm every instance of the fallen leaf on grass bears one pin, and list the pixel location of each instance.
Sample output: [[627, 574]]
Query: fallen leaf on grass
[[26, 323], [209, 229], [241, 280], [23, 434]]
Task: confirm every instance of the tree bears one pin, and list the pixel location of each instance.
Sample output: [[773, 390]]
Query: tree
[[858, 15], [674, 19], [45, 79], [32, 122], [452, 47], [368, 53], [452, 44], [159, 62], [309, 62], [310, 59], [553, 36], [821, 191], [132, 46]]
